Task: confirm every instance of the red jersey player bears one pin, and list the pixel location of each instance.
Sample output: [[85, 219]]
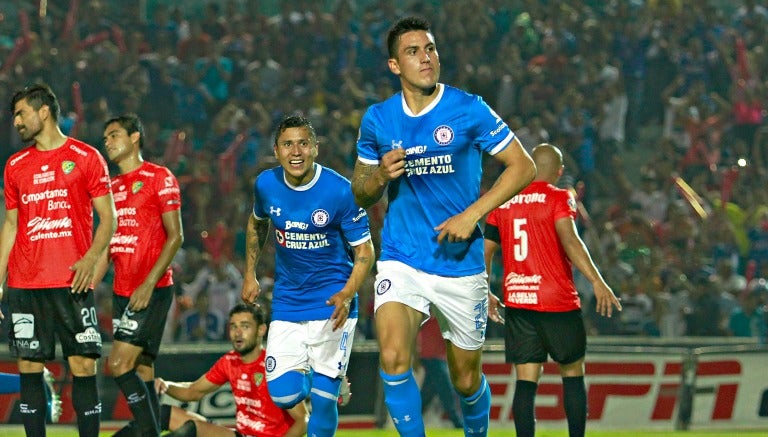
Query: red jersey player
[[243, 368], [48, 249], [148, 235], [538, 239]]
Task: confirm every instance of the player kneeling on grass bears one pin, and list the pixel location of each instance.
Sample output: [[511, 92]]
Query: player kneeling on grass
[[243, 368]]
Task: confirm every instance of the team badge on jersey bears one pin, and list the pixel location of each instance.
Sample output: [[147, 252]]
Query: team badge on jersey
[[270, 363], [258, 378], [67, 166], [136, 186], [320, 217], [443, 135], [383, 286]]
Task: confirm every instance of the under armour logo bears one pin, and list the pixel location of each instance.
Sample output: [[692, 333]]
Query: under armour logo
[[397, 144], [275, 211], [406, 418]]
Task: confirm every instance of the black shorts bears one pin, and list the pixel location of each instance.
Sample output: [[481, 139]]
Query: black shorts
[[143, 328], [40, 316], [532, 335]]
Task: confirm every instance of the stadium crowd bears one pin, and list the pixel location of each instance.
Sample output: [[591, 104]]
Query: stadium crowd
[[658, 105]]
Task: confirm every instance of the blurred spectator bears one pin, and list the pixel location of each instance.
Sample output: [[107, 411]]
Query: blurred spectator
[[202, 323], [637, 316], [703, 316], [220, 281], [748, 320]]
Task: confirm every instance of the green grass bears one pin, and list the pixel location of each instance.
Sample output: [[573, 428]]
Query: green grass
[[70, 431]]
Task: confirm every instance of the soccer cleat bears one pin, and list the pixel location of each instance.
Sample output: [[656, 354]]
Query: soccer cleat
[[54, 401], [344, 393]]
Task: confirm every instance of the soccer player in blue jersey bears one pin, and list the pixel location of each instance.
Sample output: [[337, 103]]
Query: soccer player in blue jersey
[[323, 253], [424, 145]]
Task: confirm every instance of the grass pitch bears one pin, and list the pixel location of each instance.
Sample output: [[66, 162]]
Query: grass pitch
[[70, 431]]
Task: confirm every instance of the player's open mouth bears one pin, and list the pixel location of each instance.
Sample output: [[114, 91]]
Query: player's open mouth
[[296, 161]]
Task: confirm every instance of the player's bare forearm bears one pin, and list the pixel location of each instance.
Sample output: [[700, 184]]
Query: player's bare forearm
[[7, 239], [367, 185], [363, 263], [364, 258], [187, 391], [105, 208], [256, 237], [174, 240], [576, 249], [85, 266], [519, 171]]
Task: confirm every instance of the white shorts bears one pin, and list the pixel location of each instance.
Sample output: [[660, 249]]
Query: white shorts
[[461, 303], [309, 345]]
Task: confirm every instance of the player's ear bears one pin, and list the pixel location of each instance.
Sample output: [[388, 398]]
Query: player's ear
[[394, 67], [262, 330]]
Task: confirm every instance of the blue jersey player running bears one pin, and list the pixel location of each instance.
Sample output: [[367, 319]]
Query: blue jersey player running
[[323, 253], [425, 146]]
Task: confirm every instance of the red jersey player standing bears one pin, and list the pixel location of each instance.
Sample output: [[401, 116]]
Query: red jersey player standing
[[48, 250], [244, 369], [539, 242], [148, 235]]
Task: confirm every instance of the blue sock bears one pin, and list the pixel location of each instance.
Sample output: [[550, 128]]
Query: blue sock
[[477, 410], [10, 383], [289, 389], [403, 400], [325, 411]]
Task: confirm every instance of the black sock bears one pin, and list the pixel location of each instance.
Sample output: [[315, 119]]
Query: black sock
[[135, 392], [154, 402], [129, 430], [189, 429], [523, 408], [33, 404], [85, 401], [165, 417], [575, 400]]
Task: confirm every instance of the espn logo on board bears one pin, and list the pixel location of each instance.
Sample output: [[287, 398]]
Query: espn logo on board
[[617, 391]]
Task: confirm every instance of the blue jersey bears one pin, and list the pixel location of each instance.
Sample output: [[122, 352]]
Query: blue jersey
[[444, 146], [315, 226]]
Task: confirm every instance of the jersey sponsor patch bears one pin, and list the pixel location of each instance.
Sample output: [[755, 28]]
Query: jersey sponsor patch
[[23, 325], [90, 335]]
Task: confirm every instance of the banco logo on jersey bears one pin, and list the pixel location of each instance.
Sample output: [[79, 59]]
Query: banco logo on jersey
[[320, 217], [443, 135]]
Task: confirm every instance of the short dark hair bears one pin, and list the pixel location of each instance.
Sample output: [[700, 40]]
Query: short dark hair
[[295, 121], [254, 310], [131, 123], [404, 25], [36, 96]]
